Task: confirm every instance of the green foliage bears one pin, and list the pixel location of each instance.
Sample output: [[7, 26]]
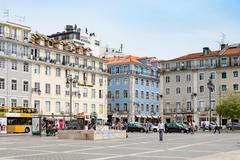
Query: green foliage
[[230, 106]]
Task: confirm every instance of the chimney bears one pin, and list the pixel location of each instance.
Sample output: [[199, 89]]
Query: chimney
[[206, 50], [223, 46]]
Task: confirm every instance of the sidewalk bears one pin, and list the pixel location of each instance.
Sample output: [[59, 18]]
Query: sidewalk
[[232, 155], [16, 134]]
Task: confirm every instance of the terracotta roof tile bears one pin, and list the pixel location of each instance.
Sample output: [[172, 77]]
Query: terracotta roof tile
[[232, 51], [127, 59]]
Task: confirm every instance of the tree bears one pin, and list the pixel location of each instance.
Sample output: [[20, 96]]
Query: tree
[[230, 107]]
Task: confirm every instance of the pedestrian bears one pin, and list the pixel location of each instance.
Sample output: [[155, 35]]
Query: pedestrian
[[161, 129], [193, 126], [147, 127], [216, 127], [203, 126]]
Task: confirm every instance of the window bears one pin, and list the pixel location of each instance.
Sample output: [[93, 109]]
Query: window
[[67, 108], [147, 95], [109, 94], [85, 108], [100, 94], [93, 65], [152, 95], [142, 82], [117, 94], [25, 67], [189, 90], [158, 96], [201, 76], [116, 107], [177, 78], [25, 103], [58, 58], [189, 106], [136, 93], [136, 80], [125, 81], [117, 81], [142, 107], [224, 87], [47, 106], [167, 79], [188, 77], [157, 84], [93, 108], [201, 89], [201, 63], [125, 107], [14, 85], [117, 70], [235, 87], [76, 61], [93, 95], [14, 65], [37, 86], [157, 108], [152, 84], [224, 61], [188, 64], [48, 71], [25, 86], [224, 75], [58, 107], [1, 29], [167, 91], [2, 83], [177, 90], [125, 94], [2, 63], [47, 88], [2, 101], [147, 108], [93, 78], [85, 92], [58, 72], [201, 106], [109, 82], [142, 94], [37, 69], [235, 73], [125, 69], [212, 75], [58, 89], [13, 102], [25, 51], [147, 83], [101, 81], [37, 105]]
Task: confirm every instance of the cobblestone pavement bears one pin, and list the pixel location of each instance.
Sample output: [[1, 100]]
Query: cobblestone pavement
[[138, 146]]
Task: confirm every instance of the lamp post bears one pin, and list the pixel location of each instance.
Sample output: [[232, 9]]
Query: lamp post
[[210, 87], [70, 82]]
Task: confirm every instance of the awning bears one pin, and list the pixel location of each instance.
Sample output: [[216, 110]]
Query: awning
[[138, 116], [144, 116]]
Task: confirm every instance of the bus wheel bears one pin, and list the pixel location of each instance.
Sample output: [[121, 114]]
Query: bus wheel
[[27, 130]]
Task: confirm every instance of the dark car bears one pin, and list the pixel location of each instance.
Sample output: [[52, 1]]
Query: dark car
[[175, 127], [135, 127], [233, 126]]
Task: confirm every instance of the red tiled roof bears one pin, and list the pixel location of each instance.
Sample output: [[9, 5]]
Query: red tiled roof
[[127, 59], [231, 51]]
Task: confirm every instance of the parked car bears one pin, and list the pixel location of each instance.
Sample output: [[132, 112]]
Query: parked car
[[135, 127], [175, 127], [208, 125], [233, 125], [154, 128]]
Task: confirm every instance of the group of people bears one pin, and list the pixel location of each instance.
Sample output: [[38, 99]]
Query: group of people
[[210, 126]]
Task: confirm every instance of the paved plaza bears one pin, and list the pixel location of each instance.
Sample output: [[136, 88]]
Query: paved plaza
[[138, 146]]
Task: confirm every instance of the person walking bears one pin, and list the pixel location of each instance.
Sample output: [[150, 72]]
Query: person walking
[[203, 126], [147, 127], [161, 129], [216, 127]]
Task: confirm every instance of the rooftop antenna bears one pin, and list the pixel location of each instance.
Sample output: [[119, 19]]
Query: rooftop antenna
[[223, 38], [20, 19], [6, 14]]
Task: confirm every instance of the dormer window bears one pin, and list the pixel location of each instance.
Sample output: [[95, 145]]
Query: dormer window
[[50, 43]]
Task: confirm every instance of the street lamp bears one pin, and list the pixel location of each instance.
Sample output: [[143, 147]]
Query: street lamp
[[70, 82], [210, 87]]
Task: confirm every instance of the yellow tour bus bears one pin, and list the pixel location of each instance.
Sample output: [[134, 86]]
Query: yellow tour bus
[[19, 119]]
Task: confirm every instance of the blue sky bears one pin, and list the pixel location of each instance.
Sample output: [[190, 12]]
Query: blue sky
[[161, 28]]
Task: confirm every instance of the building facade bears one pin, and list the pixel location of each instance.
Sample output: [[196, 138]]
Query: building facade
[[184, 83], [15, 68], [36, 71], [133, 90]]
